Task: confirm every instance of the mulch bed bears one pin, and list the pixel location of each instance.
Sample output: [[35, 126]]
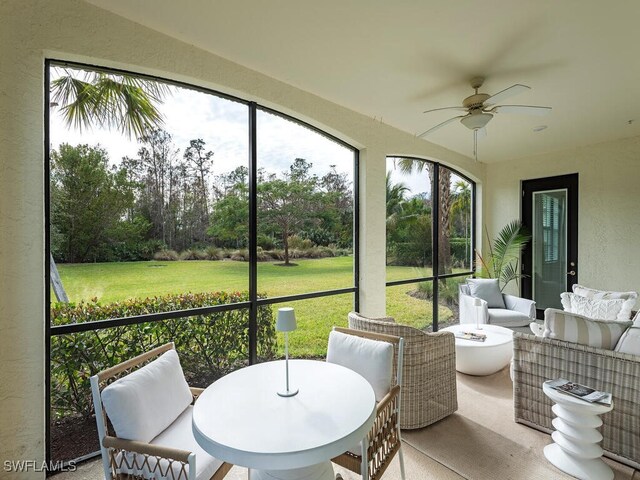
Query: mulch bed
[[73, 437]]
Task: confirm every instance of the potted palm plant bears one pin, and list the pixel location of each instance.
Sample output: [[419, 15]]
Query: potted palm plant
[[503, 258]]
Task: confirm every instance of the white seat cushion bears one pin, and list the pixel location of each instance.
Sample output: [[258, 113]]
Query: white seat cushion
[[145, 402], [629, 342], [178, 435], [508, 318], [370, 358]]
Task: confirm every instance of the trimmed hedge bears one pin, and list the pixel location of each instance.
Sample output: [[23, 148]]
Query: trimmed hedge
[[209, 345]]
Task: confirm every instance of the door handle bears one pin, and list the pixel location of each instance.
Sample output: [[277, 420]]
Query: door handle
[[572, 273]]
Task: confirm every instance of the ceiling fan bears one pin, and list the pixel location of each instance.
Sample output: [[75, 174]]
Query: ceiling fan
[[481, 108]]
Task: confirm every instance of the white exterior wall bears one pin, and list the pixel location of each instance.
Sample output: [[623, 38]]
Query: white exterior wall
[[73, 30], [608, 218]]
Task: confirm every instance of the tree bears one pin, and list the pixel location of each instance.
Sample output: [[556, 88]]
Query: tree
[[125, 102], [410, 165], [159, 169], [285, 205], [461, 208], [88, 202], [198, 164], [230, 216]]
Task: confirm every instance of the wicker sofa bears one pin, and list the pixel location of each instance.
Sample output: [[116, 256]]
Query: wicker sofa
[[537, 359], [429, 370]]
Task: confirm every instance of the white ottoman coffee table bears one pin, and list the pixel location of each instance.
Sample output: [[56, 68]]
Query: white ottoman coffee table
[[482, 358]]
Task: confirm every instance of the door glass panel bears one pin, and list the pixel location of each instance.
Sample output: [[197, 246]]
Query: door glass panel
[[549, 245]]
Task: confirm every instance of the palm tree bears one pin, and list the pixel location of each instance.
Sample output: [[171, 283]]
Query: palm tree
[[461, 204], [411, 165], [395, 199], [124, 102]]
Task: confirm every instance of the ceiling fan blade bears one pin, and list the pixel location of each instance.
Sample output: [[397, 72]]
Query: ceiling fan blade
[[482, 132], [506, 93], [523, 109], [440, 125], [461, 109]]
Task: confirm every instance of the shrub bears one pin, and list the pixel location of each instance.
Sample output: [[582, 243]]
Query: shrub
[[266, 242], [209, 345], [240, 255], [214, 253], [262, 255], [194, 255], [276, 254], [298, 243], [166, 255]]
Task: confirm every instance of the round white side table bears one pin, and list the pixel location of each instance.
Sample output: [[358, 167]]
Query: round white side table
[[482, 358], [242, 420], [576, 449]]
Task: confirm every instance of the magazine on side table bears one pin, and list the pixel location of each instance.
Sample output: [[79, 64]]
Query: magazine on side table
[[475, 336], [582, 392]]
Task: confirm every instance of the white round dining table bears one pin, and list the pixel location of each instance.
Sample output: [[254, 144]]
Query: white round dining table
[[242, 420]]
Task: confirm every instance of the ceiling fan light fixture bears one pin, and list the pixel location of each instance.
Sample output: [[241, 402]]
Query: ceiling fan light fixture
[[476, 121]]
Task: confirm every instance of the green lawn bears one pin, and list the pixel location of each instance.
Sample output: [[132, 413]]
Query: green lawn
[[109, 282]]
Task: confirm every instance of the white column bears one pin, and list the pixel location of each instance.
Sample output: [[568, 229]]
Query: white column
[[372, 232], [22, 356]]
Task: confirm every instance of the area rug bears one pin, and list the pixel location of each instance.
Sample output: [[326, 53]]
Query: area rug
[[481, 441]]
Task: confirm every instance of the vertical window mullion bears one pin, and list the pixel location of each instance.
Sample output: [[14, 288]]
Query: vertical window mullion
[[253, 235], [435, 250]]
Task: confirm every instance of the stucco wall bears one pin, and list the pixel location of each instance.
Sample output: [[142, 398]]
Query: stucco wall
[[73, 30], [608, 223]]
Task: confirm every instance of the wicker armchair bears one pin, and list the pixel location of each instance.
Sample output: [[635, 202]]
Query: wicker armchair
[[158, 458], [429, 370], [374, 454]]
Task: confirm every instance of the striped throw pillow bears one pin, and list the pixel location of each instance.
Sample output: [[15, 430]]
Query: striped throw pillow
[[574, 328]]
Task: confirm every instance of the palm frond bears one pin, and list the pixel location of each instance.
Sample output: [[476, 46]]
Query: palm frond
[[126, 103]]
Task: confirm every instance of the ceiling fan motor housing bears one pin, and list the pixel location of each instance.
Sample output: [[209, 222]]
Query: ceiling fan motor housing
[[475, 101]]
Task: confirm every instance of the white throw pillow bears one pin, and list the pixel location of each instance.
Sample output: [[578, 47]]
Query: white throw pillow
[[575, 328], [629, 297], [629, 342], [370, 358], [602, 294], [488, 290], [615, 309], [145, 402]]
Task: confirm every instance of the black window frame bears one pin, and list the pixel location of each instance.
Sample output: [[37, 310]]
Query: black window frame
[[254, 302], [435, 231]]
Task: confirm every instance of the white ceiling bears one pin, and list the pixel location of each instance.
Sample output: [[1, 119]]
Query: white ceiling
[[395, 59]]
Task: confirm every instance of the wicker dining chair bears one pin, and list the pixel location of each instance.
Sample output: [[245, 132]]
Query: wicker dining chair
[[157, 458], [374, 454], [429, 390]]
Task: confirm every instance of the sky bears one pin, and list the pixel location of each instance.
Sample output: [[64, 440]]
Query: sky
[[223, 125]]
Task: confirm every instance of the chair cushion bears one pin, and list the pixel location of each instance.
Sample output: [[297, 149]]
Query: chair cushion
[[576, 328], [488, 290], [507, 318], [601, 309], [629, 342], [147, 401], [177, 435], [370, 358]]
